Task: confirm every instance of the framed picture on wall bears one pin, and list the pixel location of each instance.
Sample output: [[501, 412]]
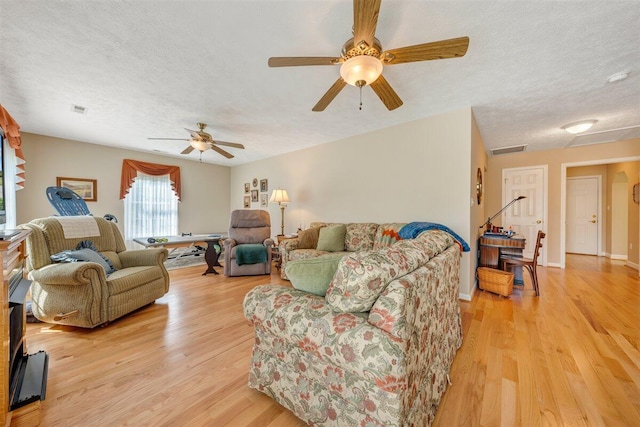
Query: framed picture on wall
[[264, 200], [264, 185], [247, 202], [254, 195], [247, 188], [85, 188]]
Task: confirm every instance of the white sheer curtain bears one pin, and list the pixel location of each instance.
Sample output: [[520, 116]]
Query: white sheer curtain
[[150, 208]]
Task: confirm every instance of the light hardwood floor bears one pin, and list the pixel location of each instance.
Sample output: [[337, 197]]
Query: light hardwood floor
[[569, 357]]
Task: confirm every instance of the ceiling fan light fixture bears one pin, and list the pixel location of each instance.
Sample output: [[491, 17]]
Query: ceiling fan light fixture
[[199, 144], [579, 127], [361, 68]]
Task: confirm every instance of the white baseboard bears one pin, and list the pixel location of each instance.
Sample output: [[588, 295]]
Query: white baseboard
[[633, 265], [467, 297], [554, 264], [464, 297], [618, 257]]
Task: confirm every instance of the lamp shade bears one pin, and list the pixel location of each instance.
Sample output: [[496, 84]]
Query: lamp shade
[[280, 196], [199, 144], [361, 68]]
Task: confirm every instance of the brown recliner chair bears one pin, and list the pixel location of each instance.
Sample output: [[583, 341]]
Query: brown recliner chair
[[247, 250]]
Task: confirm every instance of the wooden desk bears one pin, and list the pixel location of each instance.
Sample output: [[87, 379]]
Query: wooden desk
[[492, 248]]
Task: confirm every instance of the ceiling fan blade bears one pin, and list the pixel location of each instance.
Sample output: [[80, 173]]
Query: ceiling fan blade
[[365, 20], [293, 61], [221, 151], [229, 144], [170, 139], [331, 93], [443, 49], [194, 134], [187, 150], [385, 92]]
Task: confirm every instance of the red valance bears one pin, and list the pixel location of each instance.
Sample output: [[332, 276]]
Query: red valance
[[130, 170], [12, 134]]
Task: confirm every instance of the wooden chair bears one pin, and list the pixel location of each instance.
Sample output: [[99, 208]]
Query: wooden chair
[[530, 264]]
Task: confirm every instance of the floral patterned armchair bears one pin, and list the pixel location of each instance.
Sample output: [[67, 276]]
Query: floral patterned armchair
[[376, 350]]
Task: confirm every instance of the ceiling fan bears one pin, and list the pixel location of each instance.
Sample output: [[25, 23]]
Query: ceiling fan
[[202, 141], [362, 57]]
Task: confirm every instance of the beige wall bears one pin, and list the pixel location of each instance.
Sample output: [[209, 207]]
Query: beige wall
[[418, 171], [478, 211], [632, 172], [600, 153], [205, 187]]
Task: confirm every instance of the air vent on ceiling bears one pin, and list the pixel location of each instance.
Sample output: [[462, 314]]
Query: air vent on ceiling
[[601, 137], [78, 109], [507, 150]]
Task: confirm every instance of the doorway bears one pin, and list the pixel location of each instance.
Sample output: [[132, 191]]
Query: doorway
[[609, 163]]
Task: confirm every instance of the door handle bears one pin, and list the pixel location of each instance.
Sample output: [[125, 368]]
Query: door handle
[[593, 221], [539, 221]]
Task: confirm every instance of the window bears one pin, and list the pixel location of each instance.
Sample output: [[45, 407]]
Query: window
[[150, 208]]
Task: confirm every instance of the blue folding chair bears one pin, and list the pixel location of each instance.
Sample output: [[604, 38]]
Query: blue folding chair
[[69, 203]]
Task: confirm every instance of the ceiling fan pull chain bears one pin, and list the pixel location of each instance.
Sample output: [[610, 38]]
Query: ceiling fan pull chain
[[360, 98]]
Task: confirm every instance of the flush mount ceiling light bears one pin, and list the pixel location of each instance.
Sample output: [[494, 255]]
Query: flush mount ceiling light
[[618, 77], [579, 127]]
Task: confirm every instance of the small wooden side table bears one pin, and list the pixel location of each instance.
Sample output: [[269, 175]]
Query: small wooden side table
[[275, 254]]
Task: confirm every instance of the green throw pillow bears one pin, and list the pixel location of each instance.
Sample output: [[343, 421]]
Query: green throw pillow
[[331, 238], [313, 275]]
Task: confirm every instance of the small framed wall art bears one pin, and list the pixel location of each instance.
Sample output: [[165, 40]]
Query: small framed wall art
[[254, 195], [264, 185], [264, 200], [247, 188], [85, 188], [247, 202]]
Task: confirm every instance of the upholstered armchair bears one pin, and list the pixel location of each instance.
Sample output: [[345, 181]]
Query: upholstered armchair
[[96, 280], [247, 250]]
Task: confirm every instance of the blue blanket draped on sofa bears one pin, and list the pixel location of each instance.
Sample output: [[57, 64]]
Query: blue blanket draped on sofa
[[251, 254], [413, 230]]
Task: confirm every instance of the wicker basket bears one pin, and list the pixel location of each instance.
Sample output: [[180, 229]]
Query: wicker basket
[[496, 281]]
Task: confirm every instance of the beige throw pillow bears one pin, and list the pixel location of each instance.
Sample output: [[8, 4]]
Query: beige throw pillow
[[308, 239]]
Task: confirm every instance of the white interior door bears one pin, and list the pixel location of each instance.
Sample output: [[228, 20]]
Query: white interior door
[[525, 216], [582, 215]]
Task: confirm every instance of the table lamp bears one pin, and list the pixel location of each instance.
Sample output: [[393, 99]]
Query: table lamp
[[282, 198]]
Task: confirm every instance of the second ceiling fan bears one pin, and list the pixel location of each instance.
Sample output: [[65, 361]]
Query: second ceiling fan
[[362, 58], [202, 141]]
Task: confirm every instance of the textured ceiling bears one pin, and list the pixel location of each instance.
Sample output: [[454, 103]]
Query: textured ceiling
[[151, 68]]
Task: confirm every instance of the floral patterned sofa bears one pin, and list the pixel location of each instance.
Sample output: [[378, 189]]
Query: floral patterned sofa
[[376, 350], [360, 237]]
